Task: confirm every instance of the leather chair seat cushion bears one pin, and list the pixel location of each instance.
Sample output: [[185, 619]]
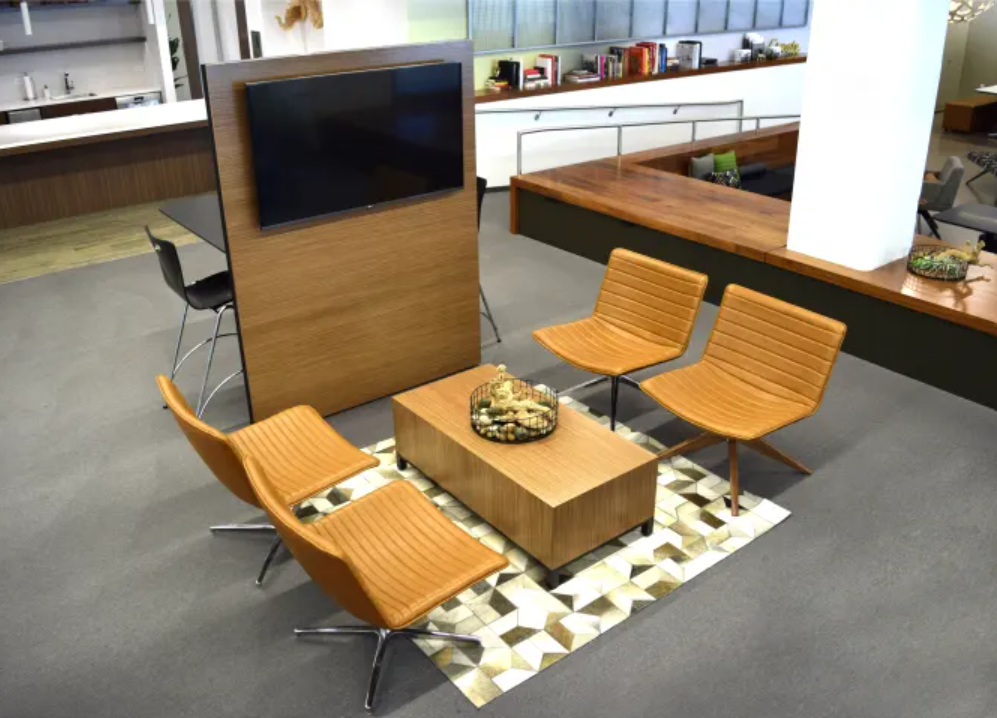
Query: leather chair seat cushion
[[211, 292], [980, 217], [595, 345], [712, 399], [407, 556], [300, 453]]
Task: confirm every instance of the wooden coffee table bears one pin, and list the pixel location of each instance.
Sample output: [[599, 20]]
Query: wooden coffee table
[[557, 498]]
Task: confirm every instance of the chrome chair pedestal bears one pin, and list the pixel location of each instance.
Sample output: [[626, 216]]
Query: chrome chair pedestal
[[267, 529], [383, 636]]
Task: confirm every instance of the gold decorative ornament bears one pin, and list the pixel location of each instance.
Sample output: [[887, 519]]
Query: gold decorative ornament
[[299, 11]]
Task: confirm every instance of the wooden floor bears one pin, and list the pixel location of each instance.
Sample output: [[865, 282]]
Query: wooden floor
[[37, 249]]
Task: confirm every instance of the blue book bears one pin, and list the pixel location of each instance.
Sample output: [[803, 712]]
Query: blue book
[[662, 57]]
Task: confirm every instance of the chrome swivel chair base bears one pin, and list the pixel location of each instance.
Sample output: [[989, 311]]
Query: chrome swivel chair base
[[383, 636], [267, 529]]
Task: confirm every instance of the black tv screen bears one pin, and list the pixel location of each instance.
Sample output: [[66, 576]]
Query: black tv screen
[[331, 143]]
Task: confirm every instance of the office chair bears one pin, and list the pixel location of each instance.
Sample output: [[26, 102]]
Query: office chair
[[644, 316], [301, 452], [213, 292], [487, 314], [939, 190], [388, 558], [765, 367]]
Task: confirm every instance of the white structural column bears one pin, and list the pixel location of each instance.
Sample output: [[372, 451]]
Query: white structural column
[[868, 106]]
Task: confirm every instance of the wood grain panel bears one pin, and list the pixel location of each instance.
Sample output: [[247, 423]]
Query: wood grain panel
[[80, 179], [649, 189], [82, 107], [337, 312], [972, 303], [557, 498], [486, 95], [721, 217]]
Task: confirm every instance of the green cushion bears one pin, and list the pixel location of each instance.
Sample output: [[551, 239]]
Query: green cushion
[[725, 162]]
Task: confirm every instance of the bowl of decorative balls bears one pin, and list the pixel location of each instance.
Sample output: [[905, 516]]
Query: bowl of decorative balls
[[513, 411], [944, 262]]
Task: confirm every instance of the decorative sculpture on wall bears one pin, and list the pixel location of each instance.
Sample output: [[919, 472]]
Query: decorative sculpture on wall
[[299, 11], [968, 10]]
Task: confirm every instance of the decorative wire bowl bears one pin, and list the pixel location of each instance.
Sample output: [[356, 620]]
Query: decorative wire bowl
[[924, 261], [509, 427]]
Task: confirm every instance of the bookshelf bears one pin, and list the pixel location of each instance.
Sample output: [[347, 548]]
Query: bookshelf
[[484, 96]]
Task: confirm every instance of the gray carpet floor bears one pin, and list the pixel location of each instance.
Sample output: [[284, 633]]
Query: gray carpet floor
[[877, 598]]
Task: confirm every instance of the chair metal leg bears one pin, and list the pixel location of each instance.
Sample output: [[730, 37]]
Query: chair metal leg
[[214, 391], [735, 486], [274, 548], [615, 395], [630, 381], [176, 352], [383, 636], [244, 528], [932, 224], [969, 182], [211, 357], [487, 314]]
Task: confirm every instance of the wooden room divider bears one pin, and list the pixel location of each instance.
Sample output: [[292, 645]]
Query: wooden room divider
[[339, 311]]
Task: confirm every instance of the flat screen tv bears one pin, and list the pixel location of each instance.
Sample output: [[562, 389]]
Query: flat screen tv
[[331, 143]]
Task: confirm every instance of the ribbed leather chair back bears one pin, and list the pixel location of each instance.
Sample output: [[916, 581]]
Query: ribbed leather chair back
[[211, 445], [654, 300], [169, 264], [321, 558], [774, 346]]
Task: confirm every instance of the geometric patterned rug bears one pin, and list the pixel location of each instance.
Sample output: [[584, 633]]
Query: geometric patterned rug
[[526, 627]]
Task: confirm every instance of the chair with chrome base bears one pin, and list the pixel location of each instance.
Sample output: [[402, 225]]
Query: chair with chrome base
[[388, 558], [487, 314], [300, 451], [765, 367], [213, 292], [644, 316]]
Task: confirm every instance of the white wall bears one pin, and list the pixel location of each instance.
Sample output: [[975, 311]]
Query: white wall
[[365, 23], [97, 69], [851, 114], [766, 91], [953, 62], [980, 65]]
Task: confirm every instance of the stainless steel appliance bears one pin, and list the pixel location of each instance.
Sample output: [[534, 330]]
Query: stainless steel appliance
[[143, 100], [31, 115]]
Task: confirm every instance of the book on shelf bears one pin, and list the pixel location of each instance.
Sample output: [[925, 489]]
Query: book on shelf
[[662, 57], [576, 77], [652, 57], [551, 65]]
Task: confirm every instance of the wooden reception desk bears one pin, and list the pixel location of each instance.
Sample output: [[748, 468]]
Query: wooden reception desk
[[927, 329]]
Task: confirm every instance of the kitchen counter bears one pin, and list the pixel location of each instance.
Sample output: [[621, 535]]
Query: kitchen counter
[[77, 96], [74, 165], [60, 132]]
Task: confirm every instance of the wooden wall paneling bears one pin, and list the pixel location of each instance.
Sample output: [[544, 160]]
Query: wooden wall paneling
[[41, 186], [341, 311]]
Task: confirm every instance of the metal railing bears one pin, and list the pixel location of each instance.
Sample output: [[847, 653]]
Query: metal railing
[[757, 119], [613, 109]]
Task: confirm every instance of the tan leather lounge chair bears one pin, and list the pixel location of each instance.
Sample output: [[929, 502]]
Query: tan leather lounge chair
[[388, 558], [644, 316], [765, 367], [302, 455]]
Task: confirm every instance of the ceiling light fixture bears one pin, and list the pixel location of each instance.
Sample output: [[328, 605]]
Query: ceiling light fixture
[[968, 10]]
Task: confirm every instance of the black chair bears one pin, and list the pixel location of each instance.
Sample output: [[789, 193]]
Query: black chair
[[487, 314], [213, 292]]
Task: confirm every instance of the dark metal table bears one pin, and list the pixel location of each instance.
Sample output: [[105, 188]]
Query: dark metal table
[[199, 214]]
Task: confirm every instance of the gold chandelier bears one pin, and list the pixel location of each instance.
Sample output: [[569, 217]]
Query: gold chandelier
[[968, 10]]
